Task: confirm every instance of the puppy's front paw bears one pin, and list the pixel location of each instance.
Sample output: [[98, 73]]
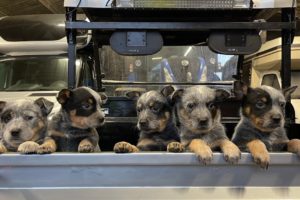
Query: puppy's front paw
[[46, 148], [85, 147], [175, 147], [28, 147], [205, 155], [262, 159], [232, 154], [125, 147], [2, 149], [294, 146]]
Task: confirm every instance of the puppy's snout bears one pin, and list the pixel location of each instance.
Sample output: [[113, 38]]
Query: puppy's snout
[[276, 118], [143, 123], [15, 132]]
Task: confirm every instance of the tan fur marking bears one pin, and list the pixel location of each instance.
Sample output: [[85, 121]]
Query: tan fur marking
[[175, 147], [2, 148], [247, 110], [163, 122], [259, 152], [85, 146], [49, 146], [202, 150], [55, 133], [78, 121], [37, 131], [90, 101], [145, 142], [294, 146], [125, 147], [28, 147], [231, 152]]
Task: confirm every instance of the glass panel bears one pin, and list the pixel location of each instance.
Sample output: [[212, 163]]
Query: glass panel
[[173, 64], [27, 74], [271, 80]]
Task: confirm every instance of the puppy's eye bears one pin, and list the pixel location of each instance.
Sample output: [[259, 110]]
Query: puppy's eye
[[260, 105], [86, 106], [211, 106], [282, 105], [155, 108], [28, 118], [190, 105], [6, 118]]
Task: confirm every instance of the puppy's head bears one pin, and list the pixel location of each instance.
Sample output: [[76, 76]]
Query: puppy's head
[[264, 106], [198, 107], [154, 111], [83, 107], [24, 120]]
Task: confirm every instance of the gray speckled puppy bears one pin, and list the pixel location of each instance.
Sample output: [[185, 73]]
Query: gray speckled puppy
[[261, 128], [200, 126], [23, 125]]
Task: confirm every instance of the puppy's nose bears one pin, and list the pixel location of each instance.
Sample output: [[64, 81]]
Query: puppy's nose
[[276, 119], [203, 121], [15, 132], [143, 123]]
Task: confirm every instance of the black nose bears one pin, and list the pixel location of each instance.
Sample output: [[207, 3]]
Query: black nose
[[276, 119], [203, 122], [15, 132], [143, 123]]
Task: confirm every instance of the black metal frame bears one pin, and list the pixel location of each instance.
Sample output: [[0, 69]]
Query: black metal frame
[[286, 26]]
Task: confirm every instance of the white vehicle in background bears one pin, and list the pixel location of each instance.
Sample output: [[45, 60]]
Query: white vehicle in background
[[33, 57], [266, 68]]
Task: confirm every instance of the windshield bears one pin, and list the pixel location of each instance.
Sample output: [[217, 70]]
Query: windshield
[[27, 74], [177, 65]]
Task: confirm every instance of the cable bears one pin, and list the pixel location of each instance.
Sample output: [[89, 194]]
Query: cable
[[107, 2], [79, 2]]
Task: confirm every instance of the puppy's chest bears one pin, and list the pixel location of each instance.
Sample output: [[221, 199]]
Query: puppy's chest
[[70, 140], [274, 142]]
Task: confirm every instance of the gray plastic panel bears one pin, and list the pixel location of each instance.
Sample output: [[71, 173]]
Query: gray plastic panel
[[257, 4], [143, 170]]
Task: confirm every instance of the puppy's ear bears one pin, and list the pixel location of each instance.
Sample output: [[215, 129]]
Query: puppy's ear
[[103, 98], [222, 95], [240, 89], [167, 91], [45, 105], [176, 95], [288, 91], [133, 95], [2, 105], [63, 96]]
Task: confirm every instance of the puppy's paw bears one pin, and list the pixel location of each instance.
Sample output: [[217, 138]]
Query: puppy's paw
[[28, 147], [232, 155], [2, 149], [125, 147], [262, 159], [46, 149], [294, 146], [205, 155], [85, 147], [175, 147]]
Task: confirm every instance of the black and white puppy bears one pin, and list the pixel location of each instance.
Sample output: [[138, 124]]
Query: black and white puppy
[[73, 127], [261, 128], [23, 125], [200, 125], [156, 124]]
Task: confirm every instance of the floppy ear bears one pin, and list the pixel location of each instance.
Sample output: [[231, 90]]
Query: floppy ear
[[288, 91], [103, 98], [45, 105], [2, 105], [176, 95], [133, 95], [167, 91], [240, 89], [222, 95], [63, 96]]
